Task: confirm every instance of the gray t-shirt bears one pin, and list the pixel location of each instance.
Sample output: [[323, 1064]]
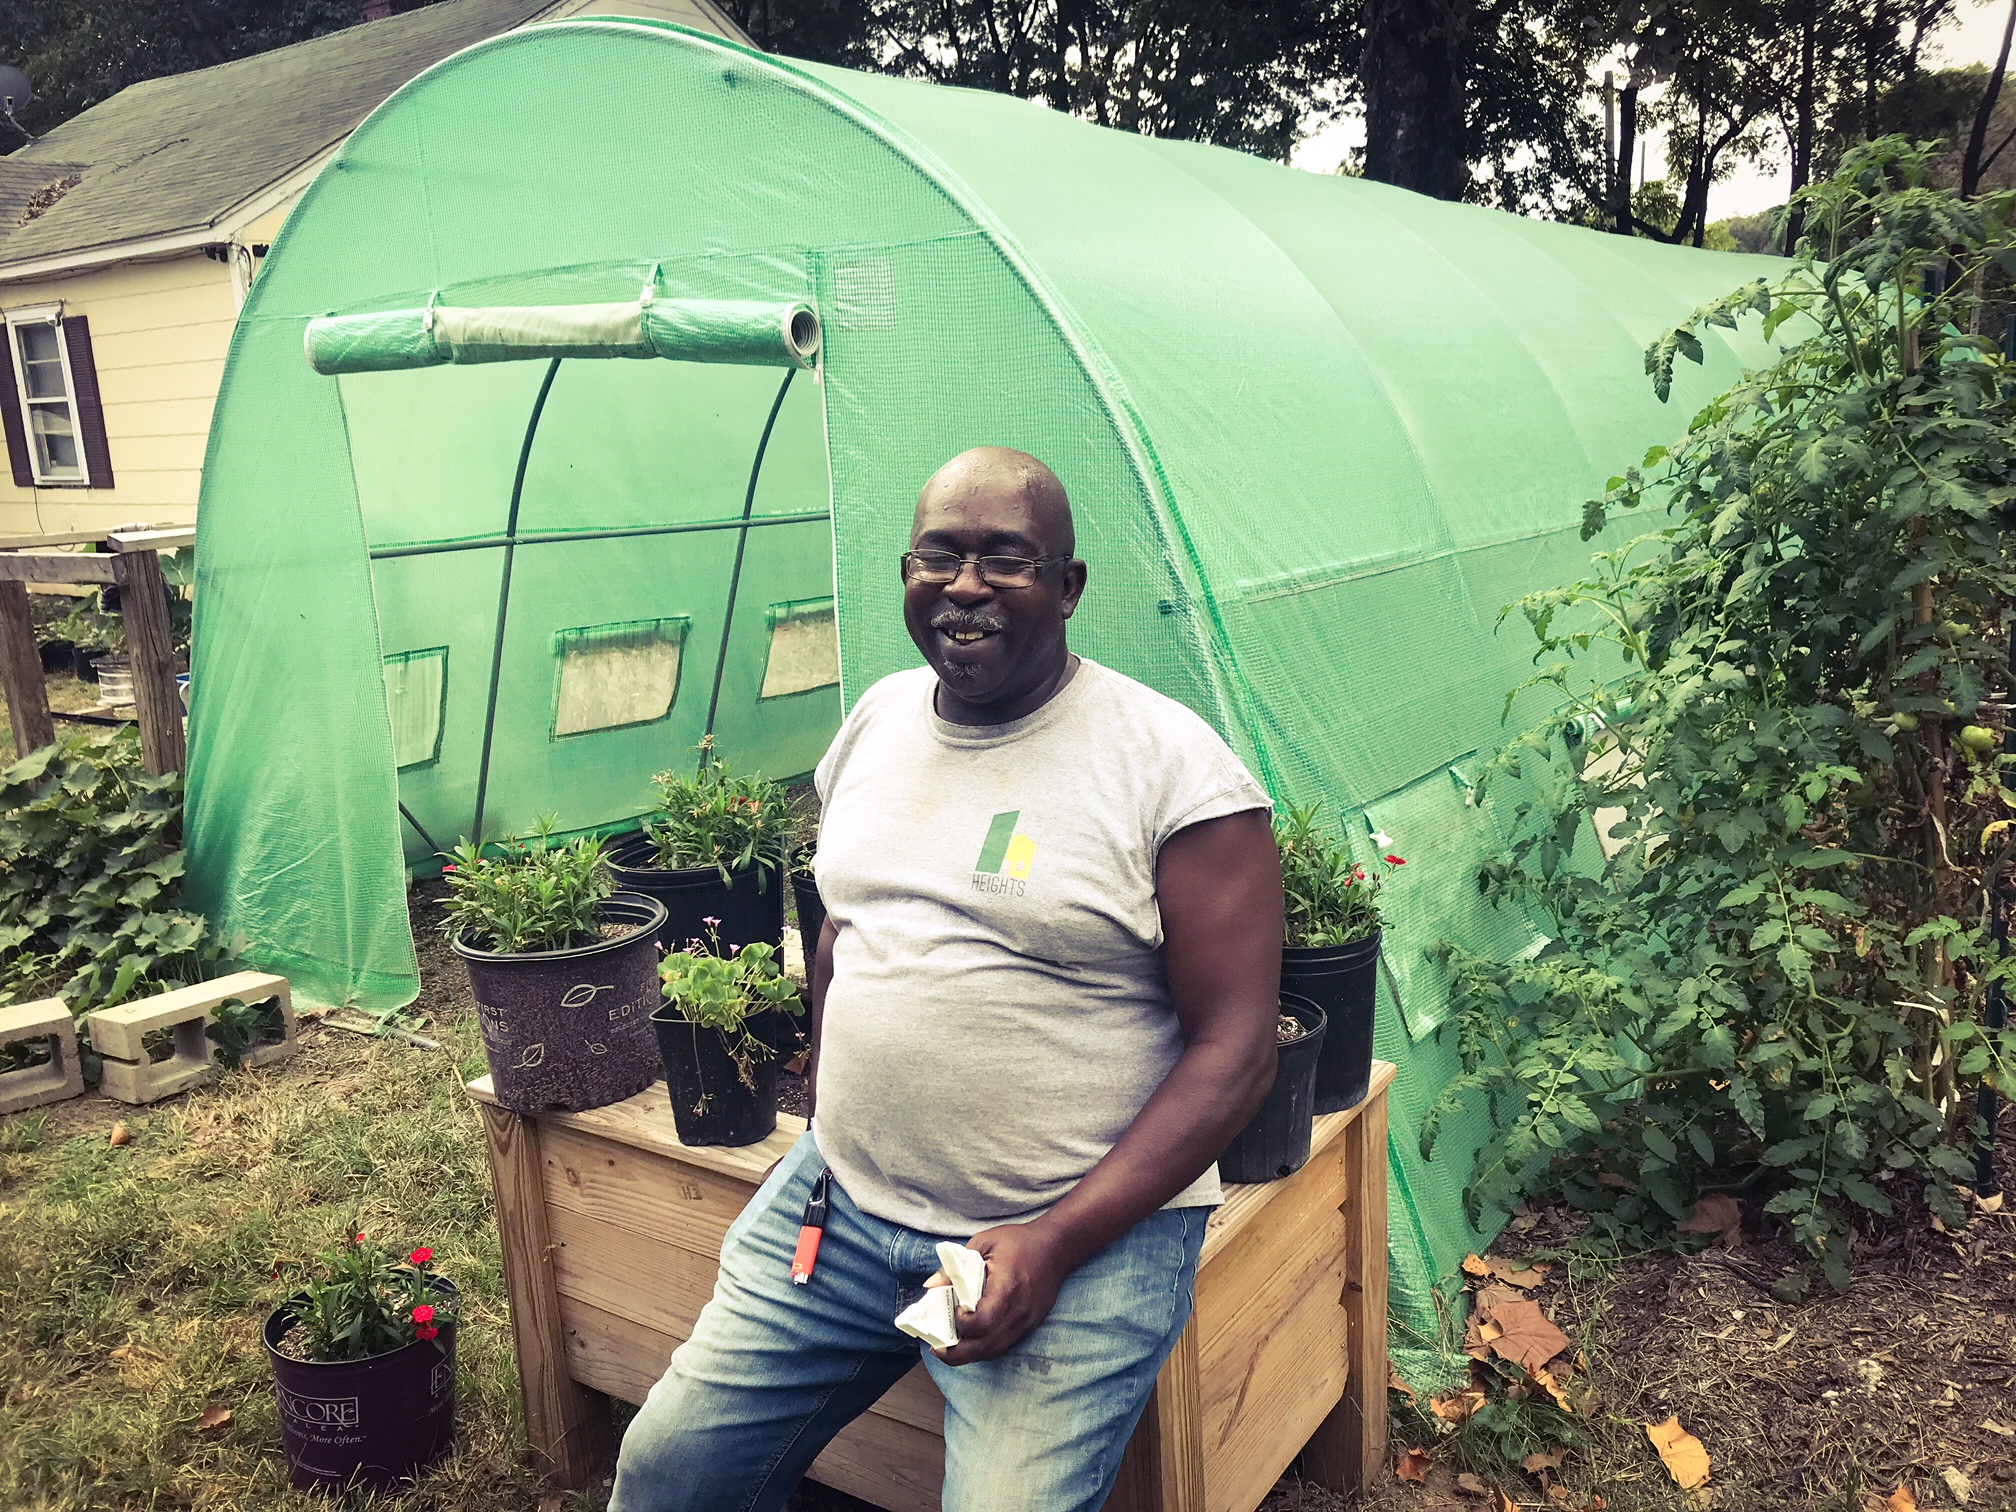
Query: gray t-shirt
[[998, 1013]]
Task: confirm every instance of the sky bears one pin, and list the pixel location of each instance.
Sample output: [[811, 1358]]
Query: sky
[[1974, 36]]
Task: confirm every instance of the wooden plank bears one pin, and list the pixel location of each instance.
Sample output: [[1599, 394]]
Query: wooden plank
[[645, 1122], [51, 538], [568, 1425], [152, 538], [150, 647], [665, 1200], [21, 673], [891, 1464], [1271, 1336], [1348, 1453], [625, 1273], [69, 567]]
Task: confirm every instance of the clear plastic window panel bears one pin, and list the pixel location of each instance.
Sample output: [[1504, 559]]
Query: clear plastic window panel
[[416, 690], [804, 648], [612, 676]]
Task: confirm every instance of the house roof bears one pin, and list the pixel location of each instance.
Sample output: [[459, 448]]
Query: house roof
[[178, 154]]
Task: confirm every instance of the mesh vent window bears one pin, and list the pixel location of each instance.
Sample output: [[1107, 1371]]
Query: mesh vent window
[[416, 691], [804, 648], [613, 676]]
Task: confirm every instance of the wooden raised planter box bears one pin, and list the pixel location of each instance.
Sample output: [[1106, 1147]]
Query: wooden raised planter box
[[612, 1233]]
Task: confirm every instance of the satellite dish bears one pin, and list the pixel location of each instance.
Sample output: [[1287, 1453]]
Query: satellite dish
[[15, 91]]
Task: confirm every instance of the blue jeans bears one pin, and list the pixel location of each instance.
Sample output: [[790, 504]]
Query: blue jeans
[[774, 1370]]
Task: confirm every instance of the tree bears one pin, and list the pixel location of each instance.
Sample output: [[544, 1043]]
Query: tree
[[1412, 76], [1977, 139]]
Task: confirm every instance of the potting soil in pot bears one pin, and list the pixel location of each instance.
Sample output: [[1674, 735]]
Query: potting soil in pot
[[369, 1423], [749, 908], [711, 1103], [571, 1029]]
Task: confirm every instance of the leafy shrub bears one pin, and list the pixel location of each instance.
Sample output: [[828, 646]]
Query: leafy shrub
[[723, 992], [538, 894], [91, 865], [1331, 898], [1776, 981], [714, 819]]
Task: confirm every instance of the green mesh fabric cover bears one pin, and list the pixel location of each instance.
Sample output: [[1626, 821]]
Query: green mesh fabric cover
[[1318, 432]]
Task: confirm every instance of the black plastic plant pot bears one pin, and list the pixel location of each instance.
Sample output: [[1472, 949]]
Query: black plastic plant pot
[[751, 908], [570, 1030], [81, 663], [1342, 980], [58, 656], [370, 1424], [811, 912], [711, 1104], [1275, 1141]]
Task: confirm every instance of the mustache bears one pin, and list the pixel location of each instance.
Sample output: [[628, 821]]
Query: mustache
[[986, 622]]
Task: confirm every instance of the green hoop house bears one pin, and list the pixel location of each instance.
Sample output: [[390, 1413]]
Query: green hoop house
[[1318, 432]]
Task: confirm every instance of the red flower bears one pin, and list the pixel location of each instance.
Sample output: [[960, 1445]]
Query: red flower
[[1395, 861], [449, 867], [358, 1237], [420, 1256], [423, 1314], [426, 1331]]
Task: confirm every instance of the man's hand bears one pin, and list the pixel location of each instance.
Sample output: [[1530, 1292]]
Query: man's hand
[[1025, 1271]]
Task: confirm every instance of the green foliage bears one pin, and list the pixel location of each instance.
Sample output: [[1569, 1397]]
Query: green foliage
[[537, 894], [90, 877], [723, 993], [238, 1028], [1331, 898], [1776, 978], [359, 1299], [714, 819]]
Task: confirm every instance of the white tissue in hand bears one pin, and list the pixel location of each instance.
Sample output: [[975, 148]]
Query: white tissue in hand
[[934, 1316]]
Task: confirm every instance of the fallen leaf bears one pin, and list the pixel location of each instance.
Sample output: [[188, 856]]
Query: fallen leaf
[[1469, 1485], [1529, 1338], [1545, 1378], [1901, 1500], [551, 1503], [1473, 1265], [1394, 1382], [1413, 1466], [1961, 1487], [1511, 1272], [1718, 1215], [1543, 1459], [1615, 1182], [215, 1419], [120, 1135], [1500, 1502], [1458, 1408], [123, 1352], [1990, 1204], [1685, 1456], [1989, 1423]]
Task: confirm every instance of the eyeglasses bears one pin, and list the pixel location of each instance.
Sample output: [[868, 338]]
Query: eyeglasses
[[995, 571]]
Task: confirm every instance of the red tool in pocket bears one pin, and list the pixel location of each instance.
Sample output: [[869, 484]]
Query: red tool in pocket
[[811, 1231]]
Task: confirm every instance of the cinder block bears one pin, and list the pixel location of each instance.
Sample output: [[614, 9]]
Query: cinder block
[[117, 1035], [61, 1076]]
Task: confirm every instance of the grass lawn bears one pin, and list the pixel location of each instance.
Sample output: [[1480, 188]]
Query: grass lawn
[[67, 695], [134, 1280]]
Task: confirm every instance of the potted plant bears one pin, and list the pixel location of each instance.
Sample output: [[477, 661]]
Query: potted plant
[[804, 882], [1332, 951], [364, 1364], [716, 849], [725, 1017], [564, 970], [1275, 1141]]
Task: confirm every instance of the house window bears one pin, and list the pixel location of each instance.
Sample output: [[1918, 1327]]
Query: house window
[[804, 648], [54, 423], [617, 675]]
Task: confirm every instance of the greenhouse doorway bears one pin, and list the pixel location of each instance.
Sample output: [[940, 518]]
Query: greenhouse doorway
[[582, 568]]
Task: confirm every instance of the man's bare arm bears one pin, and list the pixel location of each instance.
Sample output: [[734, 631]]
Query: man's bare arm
[[1219, 887]]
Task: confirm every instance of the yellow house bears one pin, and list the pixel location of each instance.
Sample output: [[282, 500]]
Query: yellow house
[[130, 233]]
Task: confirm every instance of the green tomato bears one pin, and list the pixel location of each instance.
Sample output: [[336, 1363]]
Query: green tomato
[[1979, 739], [1904, 719]]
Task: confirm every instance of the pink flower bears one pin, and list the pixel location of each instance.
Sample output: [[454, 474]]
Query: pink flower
[[711, 923], [420, 1257], [423, 1314], [1395, 861]]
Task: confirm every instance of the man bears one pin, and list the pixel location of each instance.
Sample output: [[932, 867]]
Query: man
[[1043, 1002]]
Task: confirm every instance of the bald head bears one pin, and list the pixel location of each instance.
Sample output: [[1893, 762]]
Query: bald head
[[1004, 485]]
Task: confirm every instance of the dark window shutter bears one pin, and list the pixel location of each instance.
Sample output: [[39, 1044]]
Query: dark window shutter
[[90, 412], [10, 414]]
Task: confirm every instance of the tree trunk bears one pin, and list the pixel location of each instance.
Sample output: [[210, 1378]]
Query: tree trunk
[[1621, 220], [1977, 139], [1414, 96], [1802, 124]]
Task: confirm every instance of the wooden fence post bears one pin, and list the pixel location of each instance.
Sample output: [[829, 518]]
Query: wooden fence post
[[143, 604], [21, 672]]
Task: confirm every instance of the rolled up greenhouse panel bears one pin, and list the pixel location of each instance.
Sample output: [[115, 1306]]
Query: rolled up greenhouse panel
[[744, 332]]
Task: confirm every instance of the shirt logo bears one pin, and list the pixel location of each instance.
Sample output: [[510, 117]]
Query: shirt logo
[[1005, 857]]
